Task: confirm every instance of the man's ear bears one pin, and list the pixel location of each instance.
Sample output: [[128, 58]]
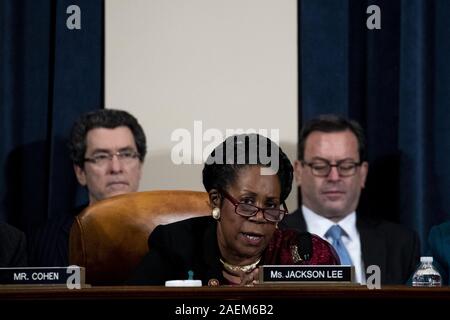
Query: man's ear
[[81, 175], [298, 172], [141, 168], [215, 198], [363, 173]]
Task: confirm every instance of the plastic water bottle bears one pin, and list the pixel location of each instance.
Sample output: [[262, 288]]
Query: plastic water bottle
[[426, 275]]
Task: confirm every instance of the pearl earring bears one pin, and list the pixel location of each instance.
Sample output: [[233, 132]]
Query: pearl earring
[[216, 213]]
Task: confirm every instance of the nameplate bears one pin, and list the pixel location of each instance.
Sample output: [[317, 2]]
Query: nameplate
[[70, 276], [306, 274]]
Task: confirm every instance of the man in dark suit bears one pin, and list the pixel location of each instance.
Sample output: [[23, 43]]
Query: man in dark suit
[[108, 149], [331, 172], [12, 247]]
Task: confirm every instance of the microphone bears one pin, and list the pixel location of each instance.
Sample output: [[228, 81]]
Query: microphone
[[306, 247]]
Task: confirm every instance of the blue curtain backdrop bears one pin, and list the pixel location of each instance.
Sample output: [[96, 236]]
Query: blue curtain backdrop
[[49, 75], [396, 82]]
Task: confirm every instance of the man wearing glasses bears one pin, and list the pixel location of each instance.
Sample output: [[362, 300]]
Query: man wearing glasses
[[108, 149], [331, 172]]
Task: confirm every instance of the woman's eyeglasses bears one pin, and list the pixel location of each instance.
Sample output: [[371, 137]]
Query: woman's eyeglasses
[[249, 210]]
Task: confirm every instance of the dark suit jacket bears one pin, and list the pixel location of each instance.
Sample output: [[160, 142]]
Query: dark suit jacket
[[394, 248], [182, 248], [439, 245], [192, 245], [12, 247], [48, 244]]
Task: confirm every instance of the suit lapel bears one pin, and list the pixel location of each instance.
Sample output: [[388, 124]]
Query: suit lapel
[[211, 255], [301, 222], [373, 246], [294, 220]]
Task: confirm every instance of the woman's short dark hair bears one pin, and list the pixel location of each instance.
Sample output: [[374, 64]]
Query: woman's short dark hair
[[240, 151], [104, 118], [331, 123]]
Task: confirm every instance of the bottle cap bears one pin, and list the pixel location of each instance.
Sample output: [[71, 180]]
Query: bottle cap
[[426, 259]]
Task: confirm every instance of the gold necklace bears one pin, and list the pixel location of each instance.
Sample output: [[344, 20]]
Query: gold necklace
[[236, 269]]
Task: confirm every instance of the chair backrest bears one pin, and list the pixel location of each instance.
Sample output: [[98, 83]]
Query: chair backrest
[[110, 237]]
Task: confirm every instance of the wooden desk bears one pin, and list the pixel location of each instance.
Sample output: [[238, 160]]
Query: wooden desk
[[284, 301], [276, 292]]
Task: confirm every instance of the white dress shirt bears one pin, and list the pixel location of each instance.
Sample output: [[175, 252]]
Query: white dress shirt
[[319, 225]]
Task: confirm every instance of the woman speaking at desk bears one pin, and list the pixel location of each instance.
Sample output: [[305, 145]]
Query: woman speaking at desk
[[248, 178]]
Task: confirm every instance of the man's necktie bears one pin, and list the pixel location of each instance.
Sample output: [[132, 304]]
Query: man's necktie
[[335, 233]]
